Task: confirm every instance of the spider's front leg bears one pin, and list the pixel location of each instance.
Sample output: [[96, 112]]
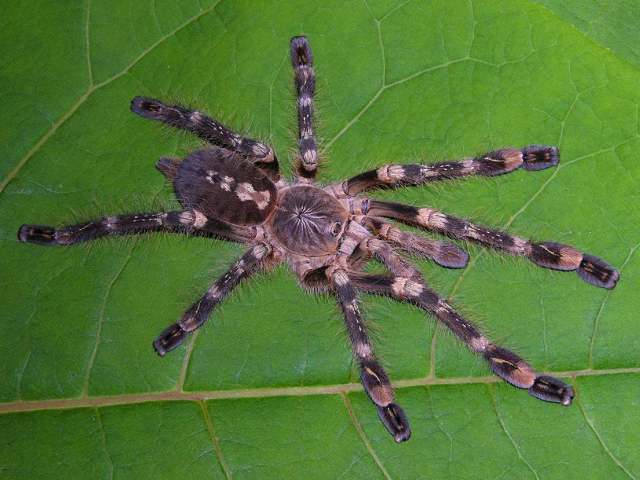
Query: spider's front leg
[[199, 312], [504, 363], [373, 377], [551, 255], [532, 157], [305, 81]]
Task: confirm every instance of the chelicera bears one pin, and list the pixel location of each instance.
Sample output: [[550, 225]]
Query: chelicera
[[232, 189]]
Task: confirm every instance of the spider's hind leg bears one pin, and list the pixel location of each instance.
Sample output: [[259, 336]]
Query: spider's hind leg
[[373, 377]]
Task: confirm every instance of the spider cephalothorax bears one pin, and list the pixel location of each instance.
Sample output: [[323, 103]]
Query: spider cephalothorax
[[233, 190]]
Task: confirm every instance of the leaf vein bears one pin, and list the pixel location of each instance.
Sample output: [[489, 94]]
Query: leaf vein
[[363, 436], [214, 439], [605, 299], [598, 436], [90, 90], [94, 352], [516, 447], [103, 436], [173, 395]]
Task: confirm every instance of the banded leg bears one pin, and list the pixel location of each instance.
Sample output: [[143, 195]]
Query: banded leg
[[373, 377], [207, 129], [443, 253], [199, 312], [305, 81], [383, 252], [551, 255], [187, 221], [504, 363], [532, 157]]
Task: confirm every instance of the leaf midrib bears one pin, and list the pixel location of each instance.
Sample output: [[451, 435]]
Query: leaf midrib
[[337, 389]]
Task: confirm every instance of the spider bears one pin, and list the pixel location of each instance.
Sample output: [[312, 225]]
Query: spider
[[232, 189]]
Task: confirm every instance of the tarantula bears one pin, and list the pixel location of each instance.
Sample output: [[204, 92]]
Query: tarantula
[[233, 190]]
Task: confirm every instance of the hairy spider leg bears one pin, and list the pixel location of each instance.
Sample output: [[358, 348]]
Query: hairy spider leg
[[185, 221], [445, 254], [551, 255], [373, 377], [532, 157], [305, 81], [200, 311], [209, 130], [383, 252], [504, 363]]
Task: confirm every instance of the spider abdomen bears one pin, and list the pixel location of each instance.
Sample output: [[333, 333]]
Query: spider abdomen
[[224, 186], [308, 221]]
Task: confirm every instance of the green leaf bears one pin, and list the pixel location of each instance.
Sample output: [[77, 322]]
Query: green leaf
[[267, 388]]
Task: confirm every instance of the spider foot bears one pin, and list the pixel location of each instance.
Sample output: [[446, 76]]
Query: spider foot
[[395, 421], [539, 157], [152, 108], [301, 52], [40, 234], [551, 389], [498, 162], [591, 269], [597, 272], [169, 339], [450, 256]]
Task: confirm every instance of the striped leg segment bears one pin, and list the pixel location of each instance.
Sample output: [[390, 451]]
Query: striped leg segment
[[373, 377], [551, 255], [188, 221], [305, 81], [383, 252], [207, 129], [532, 157], [504, 363], [443, 253], [199, 312]]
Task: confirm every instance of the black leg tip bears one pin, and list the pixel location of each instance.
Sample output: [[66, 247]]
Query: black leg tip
[[40, 234], [159, 348], [551, 389], [147, 107], [301, 52], [451, 256], [597, 272], [169, 339], [539, 157], [395, 421]]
